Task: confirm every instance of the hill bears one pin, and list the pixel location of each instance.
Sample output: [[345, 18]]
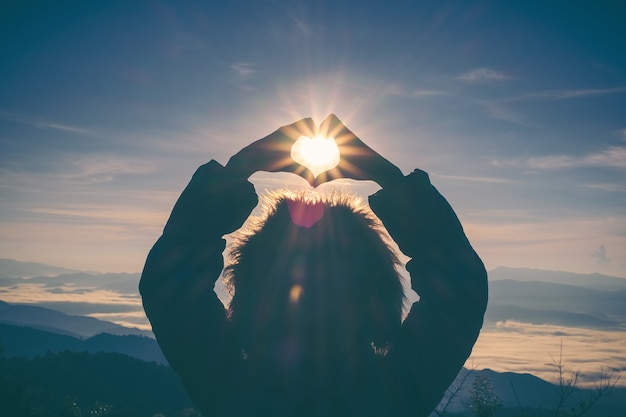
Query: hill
[[527, 395], [55, 321], [22, 341], [80, 383], [16, 269], [596, 281], [560, 304]]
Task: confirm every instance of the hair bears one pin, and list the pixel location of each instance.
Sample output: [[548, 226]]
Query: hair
[[328, 245]]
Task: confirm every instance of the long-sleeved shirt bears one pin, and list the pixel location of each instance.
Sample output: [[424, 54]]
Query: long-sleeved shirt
[[192, 328]]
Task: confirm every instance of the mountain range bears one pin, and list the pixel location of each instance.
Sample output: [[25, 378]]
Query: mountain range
[[25, 341], [517, 392], [533, 296], [31, 330], [57, 322]]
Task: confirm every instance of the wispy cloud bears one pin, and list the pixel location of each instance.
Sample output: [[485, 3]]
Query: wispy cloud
[[301, 26], [44, 124], [106, 215], [610, 187], [465, 178], [500, 111], [105, 167], [611, 157], [600, 255], [614, 157], [428, 93], [542, 240], [244, 69], [566, 94], [397, 90], [484, 75]]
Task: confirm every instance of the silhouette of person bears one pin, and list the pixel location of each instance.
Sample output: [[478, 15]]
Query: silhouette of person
[[315, 324]]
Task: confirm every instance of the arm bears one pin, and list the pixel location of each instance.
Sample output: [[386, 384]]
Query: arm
[[187, 318], [438, 334], [177, 282]]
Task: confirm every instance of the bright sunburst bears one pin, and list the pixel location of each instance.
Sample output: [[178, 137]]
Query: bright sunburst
[[318, 154]]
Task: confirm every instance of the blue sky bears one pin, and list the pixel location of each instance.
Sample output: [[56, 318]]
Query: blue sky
[[517, 110]]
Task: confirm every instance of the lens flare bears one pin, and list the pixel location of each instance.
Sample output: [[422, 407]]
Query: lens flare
[[295, 293]]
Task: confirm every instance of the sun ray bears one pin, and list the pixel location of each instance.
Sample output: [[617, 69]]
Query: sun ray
[[318, 153]]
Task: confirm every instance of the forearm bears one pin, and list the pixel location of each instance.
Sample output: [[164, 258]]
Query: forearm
[[444, 268], [438, 334], [181, 269]]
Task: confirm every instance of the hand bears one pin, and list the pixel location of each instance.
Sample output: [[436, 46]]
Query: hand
[[273, 152], [357, 160]]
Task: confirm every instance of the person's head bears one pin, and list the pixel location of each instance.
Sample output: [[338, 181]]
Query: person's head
[[314, 276]]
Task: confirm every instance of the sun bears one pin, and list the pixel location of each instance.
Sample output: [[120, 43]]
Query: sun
[[318, 154]]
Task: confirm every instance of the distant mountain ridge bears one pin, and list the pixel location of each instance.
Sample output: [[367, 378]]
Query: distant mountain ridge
[[520, 294], [72, 383], [57, 322], [514, 390], [17, 269], [551, 303], [527, 295], [25, 341], [596, 281]]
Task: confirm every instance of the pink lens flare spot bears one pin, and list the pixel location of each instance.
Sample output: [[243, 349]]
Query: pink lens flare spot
[[305, 214]]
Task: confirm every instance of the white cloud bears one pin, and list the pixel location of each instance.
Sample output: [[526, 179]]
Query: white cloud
[[614, 157], [522, 347], [611, 157], [44, 124], [428, 93], [566, 94], [610, 187], [108, 166], [244, 69], [136, 319], [301, 26], [105, 215], [520, 239], [397, 90], [500, 111], [28, 293], [463, 178], [599, 254], [483, 75]]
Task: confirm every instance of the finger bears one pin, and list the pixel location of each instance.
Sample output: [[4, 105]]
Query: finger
[[306, 126], [302, 127], [328, 176], [318, 181], [300, 170], [333, 127]]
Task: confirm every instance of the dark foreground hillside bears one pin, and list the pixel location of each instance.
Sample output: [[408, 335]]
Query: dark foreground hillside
[[86, 384]]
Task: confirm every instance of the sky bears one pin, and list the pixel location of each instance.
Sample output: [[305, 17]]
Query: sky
[[516, 109]]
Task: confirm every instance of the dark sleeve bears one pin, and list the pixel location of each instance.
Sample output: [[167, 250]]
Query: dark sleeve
[[179, 275], [441, 328]]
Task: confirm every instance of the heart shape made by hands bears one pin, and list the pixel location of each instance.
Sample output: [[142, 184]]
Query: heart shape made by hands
[[318, 154]]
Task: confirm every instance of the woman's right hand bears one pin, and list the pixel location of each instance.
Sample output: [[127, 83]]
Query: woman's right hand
[[273, 152], [357, 160]]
